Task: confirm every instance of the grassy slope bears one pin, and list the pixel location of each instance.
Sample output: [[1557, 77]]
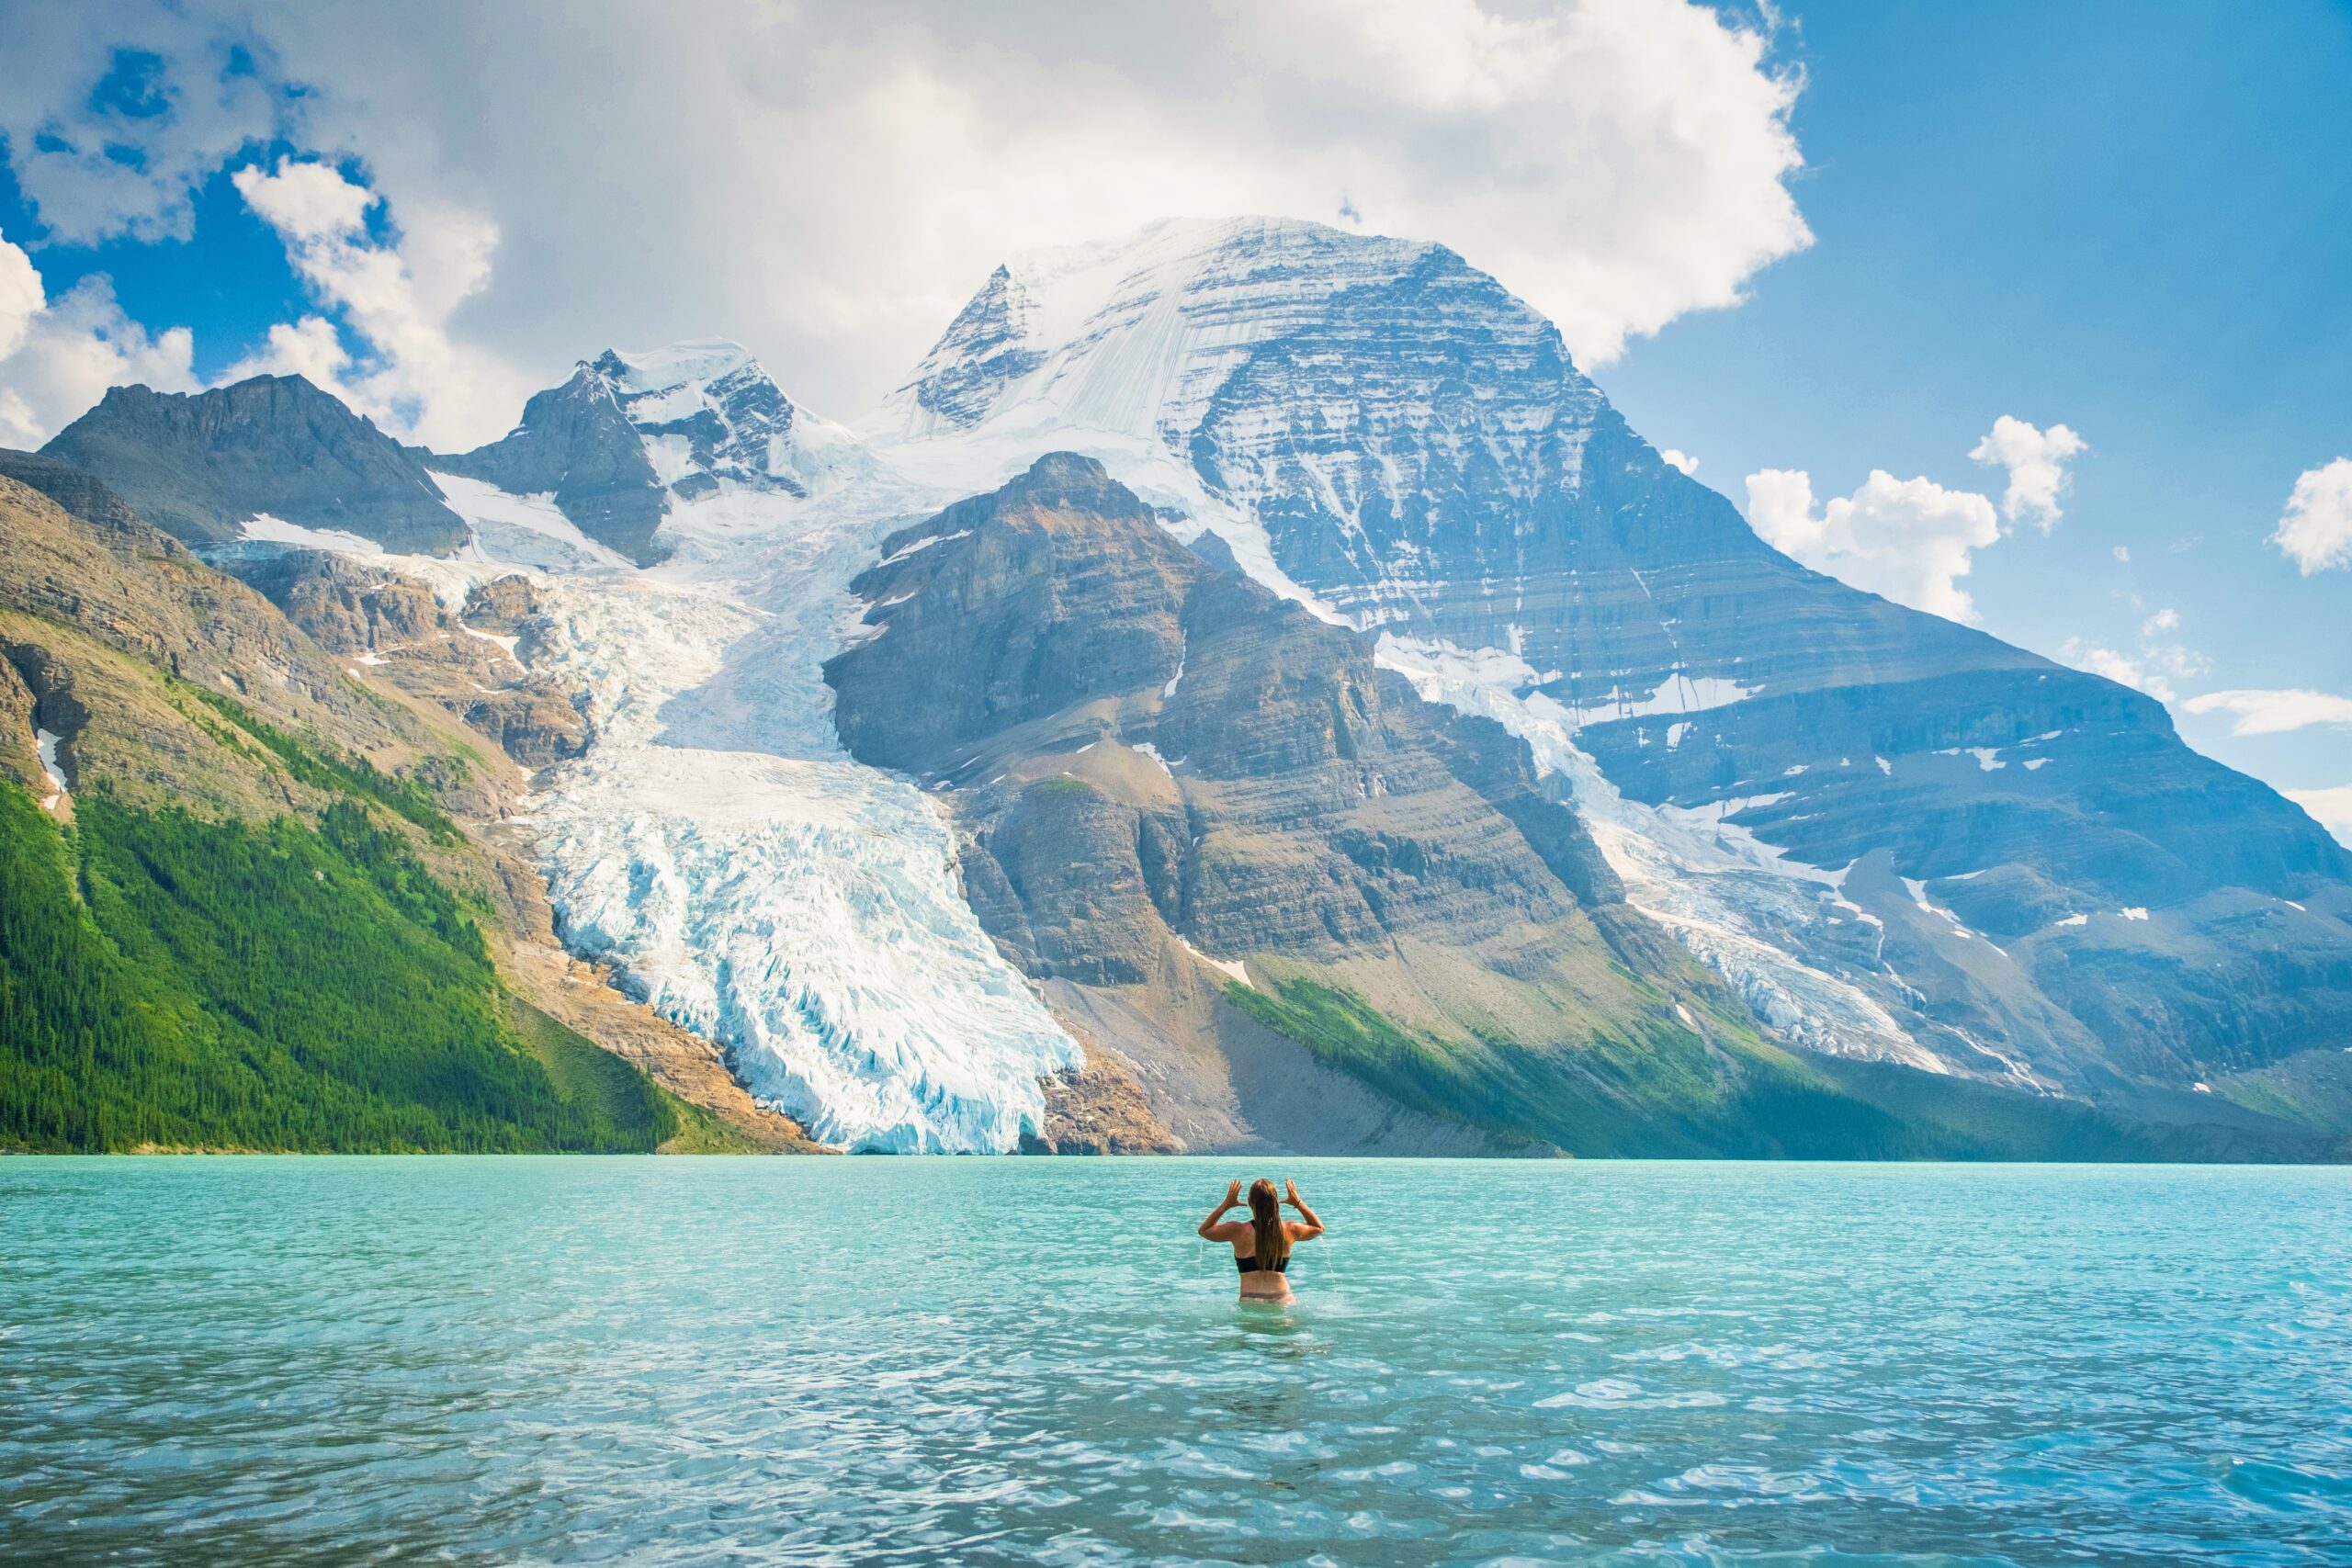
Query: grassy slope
[[1670, 1094]]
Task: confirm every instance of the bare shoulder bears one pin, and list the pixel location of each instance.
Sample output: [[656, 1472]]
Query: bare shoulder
[[1230, 1230], [1299, 1230]]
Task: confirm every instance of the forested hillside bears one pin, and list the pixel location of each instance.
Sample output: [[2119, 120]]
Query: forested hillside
[[251, 921]]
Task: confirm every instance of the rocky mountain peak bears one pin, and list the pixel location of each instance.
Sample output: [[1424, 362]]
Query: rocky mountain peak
[[633, 434], [200, 465], [1133, 334]]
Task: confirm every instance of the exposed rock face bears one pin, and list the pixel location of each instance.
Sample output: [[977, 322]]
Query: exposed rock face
[[199, 465], [398, 628], [1167, 774], [81, 493], [575, 443], [1302, 809], [985, 348], [503, 606], [630, 436], [1098, 1109], [1897, 838]]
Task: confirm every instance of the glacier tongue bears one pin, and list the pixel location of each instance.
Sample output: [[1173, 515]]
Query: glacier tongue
[[746, 877]]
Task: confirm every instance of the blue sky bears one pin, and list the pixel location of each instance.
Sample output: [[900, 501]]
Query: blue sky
[[2135, 220]]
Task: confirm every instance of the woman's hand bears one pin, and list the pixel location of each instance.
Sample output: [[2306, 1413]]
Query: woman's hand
[[1290, 1193], [1213, 1228]]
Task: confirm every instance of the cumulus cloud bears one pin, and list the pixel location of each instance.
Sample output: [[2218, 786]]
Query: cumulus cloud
[[2276, 712], [1907, 539], [2122, 553], [2316, 529], [21, 297], [115, 112], [2036, 462], [57, 358], [2138, 673], [2331, 808], [1682, 460], [310, 348], [829, 183], [306, 203], [417, 379]]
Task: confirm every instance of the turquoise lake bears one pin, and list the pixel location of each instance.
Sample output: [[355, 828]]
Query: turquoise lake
[[1002, 1361]]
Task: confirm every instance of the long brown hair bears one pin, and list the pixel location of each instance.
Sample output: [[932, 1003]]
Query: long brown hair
[[1266, 1219]]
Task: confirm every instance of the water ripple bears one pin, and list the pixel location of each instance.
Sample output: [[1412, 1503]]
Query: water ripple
[[994, 1362]]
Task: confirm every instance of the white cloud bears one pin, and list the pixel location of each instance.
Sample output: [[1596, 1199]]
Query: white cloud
[[2331, 808], [21, 297], [2036, 462], [2275, 712], [1907, 539], [2316, 529], [2122, 553], [2135, 672], [68, 351], [310, 348], [114, 111], [1682, 460], [305, 202], [417, 382], [2162, 621], [829, 183]]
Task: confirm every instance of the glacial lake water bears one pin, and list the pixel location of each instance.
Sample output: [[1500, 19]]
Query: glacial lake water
[[1017, 1361]]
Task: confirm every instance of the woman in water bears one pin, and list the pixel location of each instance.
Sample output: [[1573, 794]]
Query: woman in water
[[1262, 1244]]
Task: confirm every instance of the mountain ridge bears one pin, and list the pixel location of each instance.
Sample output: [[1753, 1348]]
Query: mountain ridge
[[1854, 840]]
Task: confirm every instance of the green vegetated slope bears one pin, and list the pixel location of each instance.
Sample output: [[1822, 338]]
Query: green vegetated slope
[[251, 923], [168, 981], [1667, 1095]]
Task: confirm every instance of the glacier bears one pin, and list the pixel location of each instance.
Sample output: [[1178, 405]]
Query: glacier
[[716, 846]]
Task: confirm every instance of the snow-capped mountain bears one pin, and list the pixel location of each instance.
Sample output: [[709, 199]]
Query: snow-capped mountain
[[632, 437], [1897, 836], [1567, 782]]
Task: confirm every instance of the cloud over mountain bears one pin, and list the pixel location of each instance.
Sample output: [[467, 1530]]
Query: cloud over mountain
[[1619, 162], [1908, 540]]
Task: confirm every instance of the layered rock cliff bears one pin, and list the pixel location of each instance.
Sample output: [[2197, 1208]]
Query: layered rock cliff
[[202, 464], [1216, 832], [1899, 840]]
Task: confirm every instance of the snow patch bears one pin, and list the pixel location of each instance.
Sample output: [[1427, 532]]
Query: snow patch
[[524, 530], [1918, 891], [903, 551], [266, 529], [1230, 967], [505, 644], [45, 746], [1988, 757], [2136, 912]]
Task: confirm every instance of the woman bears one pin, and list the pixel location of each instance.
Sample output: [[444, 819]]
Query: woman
[[1262, 1244]]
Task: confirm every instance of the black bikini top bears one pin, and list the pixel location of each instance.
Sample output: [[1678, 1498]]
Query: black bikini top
[[1250, 1265]]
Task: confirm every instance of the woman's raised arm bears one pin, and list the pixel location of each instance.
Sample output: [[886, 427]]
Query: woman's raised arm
[[1208, 1229], [1313, 1227]]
